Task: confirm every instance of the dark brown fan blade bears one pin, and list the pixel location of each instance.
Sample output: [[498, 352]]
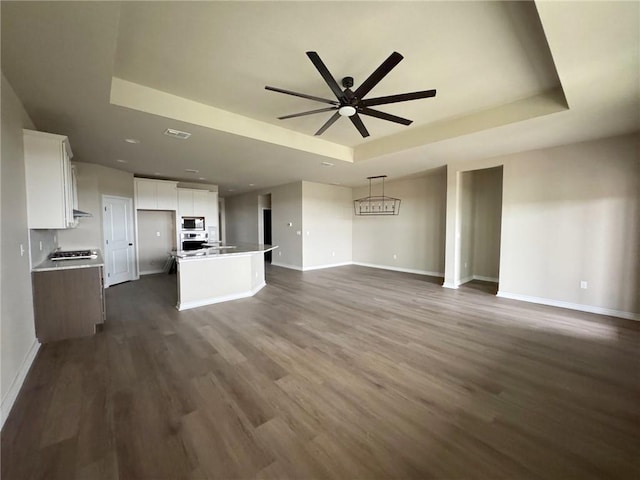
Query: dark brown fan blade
[[378, 75], [357, 121], [403, 97], [302, 95], [326, 75], [384, 116], [311, 112], [329, 122]]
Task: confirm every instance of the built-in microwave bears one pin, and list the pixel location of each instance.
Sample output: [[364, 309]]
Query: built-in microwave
[[192, 223]]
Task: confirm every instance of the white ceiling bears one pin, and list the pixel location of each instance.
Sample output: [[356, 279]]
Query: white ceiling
[[504, 73]]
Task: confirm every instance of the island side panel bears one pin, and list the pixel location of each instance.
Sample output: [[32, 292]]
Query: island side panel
[[213, 280]]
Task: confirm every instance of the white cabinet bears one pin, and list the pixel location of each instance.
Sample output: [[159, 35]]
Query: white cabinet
[[192, 202], [198, 203], [156, 194], [49, 180], [211, 213]]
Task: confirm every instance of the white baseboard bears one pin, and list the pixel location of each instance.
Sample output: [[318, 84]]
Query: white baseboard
[[226, 298], [465, 280], [151, 272], [486, 279], [572, 306], [400, 269], [284, 265], [320, 267], [450, 285], [14, 389]]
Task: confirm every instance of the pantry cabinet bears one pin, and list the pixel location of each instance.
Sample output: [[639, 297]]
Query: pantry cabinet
[[192, 202], [49, 180], [156, 194]]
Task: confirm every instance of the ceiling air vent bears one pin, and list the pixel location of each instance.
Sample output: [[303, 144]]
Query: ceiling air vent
[[177, 134]]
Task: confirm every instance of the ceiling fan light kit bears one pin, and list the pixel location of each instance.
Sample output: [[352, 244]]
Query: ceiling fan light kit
[[376, 204], [352, 103]]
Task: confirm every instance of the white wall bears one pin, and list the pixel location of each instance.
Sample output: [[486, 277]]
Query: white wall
[[487, 220], [93, 182], [416, 236], [241, 218], [242, 221], [569, 213], [573, 213], [480, 219], [327, 212], [156, 238], [286, 207], [18, 344]]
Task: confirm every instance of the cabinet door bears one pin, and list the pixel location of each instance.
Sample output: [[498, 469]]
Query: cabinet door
[[146, 193], [167, 196], [200, 203], [185, 202], [47, 174], [67, 303], [211, 215], [67, 186]]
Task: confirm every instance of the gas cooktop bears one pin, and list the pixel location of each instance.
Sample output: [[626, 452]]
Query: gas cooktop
[[73, 255]]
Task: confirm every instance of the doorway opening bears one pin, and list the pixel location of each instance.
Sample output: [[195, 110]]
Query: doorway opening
[[266, 219], [264, 223], [480, 228]]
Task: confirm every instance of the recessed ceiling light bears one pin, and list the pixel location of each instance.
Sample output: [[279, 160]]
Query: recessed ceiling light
[[157, 173], [177, 134], [132, 140], [119, 160], [252, 184], [230, 190], [326, 164], [191, 170], [201, 178]]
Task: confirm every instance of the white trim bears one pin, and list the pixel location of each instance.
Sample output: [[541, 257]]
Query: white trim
[[151, 272], [320, 267], [572, 306], [226, 298], [284, 265], [450, 285], [400, 269], [486, 279], [12, 394]]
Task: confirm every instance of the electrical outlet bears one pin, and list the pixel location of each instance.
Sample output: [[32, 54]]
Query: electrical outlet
[[583, 284], [395, 257], [466, 264], [40, 245], [333, 254], [21, 250], [279, 254], [157, 234], [298, 232]]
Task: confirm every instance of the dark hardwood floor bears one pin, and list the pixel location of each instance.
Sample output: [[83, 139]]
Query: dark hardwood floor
[[346, 373]]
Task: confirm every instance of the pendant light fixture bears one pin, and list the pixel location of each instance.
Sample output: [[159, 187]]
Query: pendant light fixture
[[377, 204]]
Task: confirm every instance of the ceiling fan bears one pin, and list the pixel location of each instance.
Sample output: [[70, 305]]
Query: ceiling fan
[[352, 103]]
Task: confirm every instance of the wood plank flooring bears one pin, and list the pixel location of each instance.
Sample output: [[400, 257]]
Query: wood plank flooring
[[346, 373]]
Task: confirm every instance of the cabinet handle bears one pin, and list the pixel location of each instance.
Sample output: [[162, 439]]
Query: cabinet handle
[[131, 244]]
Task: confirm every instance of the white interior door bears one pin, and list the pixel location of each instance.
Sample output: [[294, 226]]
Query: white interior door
[[119, 252]]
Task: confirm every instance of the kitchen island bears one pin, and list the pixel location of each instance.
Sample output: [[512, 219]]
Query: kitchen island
[[220, 273]]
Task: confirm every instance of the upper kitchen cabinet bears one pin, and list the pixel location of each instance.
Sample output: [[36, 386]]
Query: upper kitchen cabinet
[[193, 202], [49, 180], [156, 194]]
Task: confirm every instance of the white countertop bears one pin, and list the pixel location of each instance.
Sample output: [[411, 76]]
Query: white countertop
[[49, 265], [216, 251]]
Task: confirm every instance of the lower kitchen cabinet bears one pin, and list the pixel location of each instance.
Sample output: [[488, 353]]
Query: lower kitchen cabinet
[[68, 303]]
